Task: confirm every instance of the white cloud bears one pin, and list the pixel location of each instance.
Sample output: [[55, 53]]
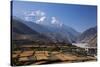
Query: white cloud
[[41, 19], [55, 21], [38, 16], [39, 13], [31, 14]]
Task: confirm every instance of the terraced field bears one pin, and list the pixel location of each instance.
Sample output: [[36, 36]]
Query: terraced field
[[35, 55]]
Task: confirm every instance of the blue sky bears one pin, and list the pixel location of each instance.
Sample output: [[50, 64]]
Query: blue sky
[[79, 17]]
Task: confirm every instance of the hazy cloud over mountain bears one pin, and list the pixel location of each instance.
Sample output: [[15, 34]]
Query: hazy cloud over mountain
[[40, 17], [55, 21], [37, 16]]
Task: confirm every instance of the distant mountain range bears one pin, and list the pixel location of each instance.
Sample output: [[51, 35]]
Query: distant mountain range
[[63, 33], [56, 34], [22, 29], [89, 36]]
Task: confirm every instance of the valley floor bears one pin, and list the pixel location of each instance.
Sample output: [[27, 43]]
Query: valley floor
[[34, 55]]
